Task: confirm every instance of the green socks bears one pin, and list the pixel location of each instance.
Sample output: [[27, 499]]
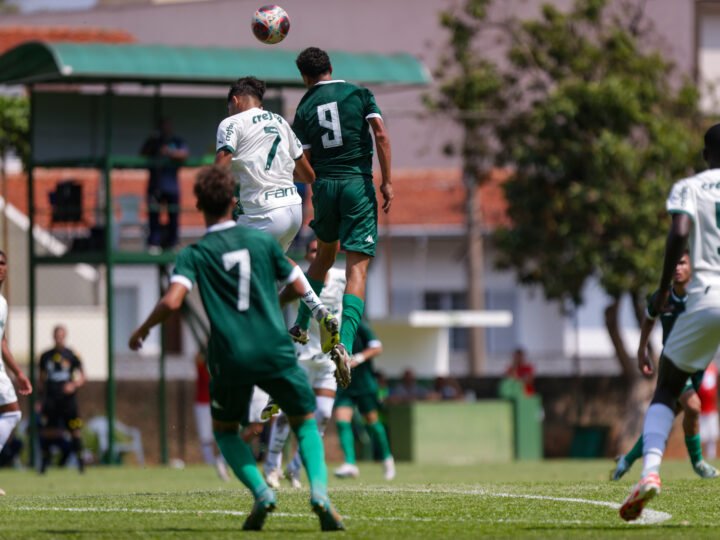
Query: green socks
[[313, 456], [347, 440], [636, 452], [241, 460], [379, 439], [352, 313], [304, 314], [694, 448]]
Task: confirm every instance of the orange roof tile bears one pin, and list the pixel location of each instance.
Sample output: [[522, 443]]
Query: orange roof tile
[[11, 36]]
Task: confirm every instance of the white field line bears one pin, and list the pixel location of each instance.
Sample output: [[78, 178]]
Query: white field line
[[650, 517]]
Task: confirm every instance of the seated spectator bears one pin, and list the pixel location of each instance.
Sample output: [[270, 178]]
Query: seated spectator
[[522, 370], [447, 388], [407, 390]]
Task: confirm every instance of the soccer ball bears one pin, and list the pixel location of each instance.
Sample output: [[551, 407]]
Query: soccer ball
[[270, 24]]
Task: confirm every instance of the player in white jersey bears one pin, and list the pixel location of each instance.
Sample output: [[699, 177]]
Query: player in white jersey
[[694, 204], [264, 156], [9, 407], [320, 370]]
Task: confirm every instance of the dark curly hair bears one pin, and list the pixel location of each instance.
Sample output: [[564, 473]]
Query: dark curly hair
[[215, 190], [247, 86], [313, 62]]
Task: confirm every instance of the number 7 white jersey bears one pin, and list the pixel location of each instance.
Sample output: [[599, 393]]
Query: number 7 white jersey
[[264, 149], [699, 198]]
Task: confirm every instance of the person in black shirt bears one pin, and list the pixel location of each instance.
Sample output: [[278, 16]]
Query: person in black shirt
[[61, 374]]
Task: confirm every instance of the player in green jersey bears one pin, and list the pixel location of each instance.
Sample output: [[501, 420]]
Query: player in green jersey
[[689, 401], [362, 393], [236, 269], [333, 122]]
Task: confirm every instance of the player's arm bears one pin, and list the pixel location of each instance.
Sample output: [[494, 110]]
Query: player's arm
[[382, 145], [372, 346], [78, 373], [303, 171], [674, 249], [169, 303], [223, 158], [645, 363], [23, 383]]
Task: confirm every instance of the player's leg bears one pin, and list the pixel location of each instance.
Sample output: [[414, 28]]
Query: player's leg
[[279, 434], [74, 426], [368, 407], [294, 395], [172, 200], [9, 417], [344, 409], [690, 402], [230, 407], [203, 425], [155, 231]]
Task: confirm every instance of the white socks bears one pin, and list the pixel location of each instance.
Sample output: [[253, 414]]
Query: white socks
[[8, 421], [311, 299], [656, 430]]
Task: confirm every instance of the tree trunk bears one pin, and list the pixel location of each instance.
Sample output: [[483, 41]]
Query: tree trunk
[[639, 393], [627, 363], [474, 273]]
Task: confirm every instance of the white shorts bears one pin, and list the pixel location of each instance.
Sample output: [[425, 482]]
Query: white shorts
[[203, 422], [695, 337], [7, 390], [320, 371], [709, 427], [258, 401], [282, 223]]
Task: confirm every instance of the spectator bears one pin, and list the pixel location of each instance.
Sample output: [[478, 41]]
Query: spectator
[[709, 427], [447, 388], [203, 420], [61, 374], [522, 370], [168, 153], [407, 390]]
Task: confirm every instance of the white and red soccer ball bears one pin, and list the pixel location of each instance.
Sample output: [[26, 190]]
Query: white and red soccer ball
[[270, 24]]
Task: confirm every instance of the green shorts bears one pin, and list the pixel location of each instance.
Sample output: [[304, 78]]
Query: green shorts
[[290, 390], [366, 403], [346, 210]]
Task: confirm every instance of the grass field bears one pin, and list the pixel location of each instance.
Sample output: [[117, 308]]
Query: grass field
[[558, 499]]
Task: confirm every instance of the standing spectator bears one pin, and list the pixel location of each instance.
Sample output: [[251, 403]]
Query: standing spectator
[[9, 407], [522, 370], [168, 153], [203, 419], [709, 426], [61, 374]]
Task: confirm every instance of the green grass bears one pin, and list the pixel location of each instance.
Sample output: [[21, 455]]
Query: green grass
[[497, 501]]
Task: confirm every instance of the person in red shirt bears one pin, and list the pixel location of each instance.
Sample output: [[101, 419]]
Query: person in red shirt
[[522, 370], [709, 425], [203, 420]]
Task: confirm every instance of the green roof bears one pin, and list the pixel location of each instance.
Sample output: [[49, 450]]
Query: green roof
[[100, 62]]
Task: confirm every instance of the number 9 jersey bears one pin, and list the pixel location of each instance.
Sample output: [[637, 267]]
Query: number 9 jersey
[[264, 149], [332, 122]]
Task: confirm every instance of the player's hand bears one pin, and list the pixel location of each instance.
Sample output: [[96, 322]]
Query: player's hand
[[388, 196], [68, 388], [137, 338], [24, 385], [645, 364]]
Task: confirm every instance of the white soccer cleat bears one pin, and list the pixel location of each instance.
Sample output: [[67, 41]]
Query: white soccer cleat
[[221, 469], [2, 492], [293, 477], [640, 494], [347, 470], [273, 478], [389, 468]]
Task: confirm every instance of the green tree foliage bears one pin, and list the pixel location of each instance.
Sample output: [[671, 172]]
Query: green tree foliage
[[601, 128], [14, 127]]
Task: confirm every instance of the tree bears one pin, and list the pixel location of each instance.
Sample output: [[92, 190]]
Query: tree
[[14, 128], [470, 88], [607, 127]]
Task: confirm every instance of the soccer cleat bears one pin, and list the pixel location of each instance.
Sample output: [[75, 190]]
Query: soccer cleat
[[621, 467], [273, 477], [342, 361], [293, 477], [330, 520], [262, 507], [2, 492], [348, 470], [329, 332], [704, 470], [299, 335], [640, 494], [270, 410], [389, 468]]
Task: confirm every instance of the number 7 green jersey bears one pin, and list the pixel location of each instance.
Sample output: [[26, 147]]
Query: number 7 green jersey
[[236, 269], [332, 122]]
